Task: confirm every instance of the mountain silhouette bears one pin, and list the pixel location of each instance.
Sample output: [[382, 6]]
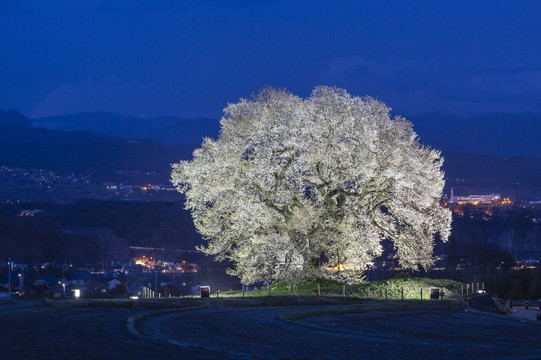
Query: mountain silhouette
[[167, 129], [492, 150], [86, 152], [500, 134], [14, 118]]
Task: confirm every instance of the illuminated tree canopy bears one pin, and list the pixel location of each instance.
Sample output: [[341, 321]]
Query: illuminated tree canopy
[[291, 181]]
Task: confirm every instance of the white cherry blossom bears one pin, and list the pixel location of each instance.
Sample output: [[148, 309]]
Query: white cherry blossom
[[292, 181]]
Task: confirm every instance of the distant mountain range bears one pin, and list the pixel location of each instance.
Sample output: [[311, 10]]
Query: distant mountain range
[[498, 151], [500, 134], [14, 118], [168, 129], [101, 156]]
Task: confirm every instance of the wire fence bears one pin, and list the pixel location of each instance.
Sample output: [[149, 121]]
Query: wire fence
[[370, 291]]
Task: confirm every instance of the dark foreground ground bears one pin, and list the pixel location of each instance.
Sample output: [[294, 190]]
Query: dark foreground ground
[[229, 329]]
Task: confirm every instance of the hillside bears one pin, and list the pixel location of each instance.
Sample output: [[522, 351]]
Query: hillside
[[473, 159], [85, 152], [499, 134], [14, 118], [168, 129]]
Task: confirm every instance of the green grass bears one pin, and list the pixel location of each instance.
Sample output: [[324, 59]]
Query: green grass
[[411, 288], [283, 294], [198, 303]]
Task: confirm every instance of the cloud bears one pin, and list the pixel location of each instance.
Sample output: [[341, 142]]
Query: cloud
[[415, 85]]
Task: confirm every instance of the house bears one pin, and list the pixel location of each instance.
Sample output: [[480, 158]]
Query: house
[[113, 284]]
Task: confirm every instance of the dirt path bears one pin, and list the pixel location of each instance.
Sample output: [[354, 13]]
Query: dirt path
[[81, 333], [257, 331], [219, 331]]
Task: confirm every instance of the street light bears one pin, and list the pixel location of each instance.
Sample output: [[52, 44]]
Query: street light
[[21, 284]]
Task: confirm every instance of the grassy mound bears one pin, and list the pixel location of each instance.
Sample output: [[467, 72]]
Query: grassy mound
[[410, 287]]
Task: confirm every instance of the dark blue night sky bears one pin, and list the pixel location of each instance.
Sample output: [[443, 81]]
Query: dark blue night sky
[[150, 58]]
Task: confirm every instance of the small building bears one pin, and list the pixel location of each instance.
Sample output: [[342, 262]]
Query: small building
[[113, 284], [196, 290]]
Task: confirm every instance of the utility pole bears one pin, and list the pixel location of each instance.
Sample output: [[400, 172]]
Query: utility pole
[[156, 281], [155, 275], [10, 267]]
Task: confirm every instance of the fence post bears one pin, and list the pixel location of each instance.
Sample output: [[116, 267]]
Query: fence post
[[385, 294], [294, 289], [242, 290], [402, 293], [367, 293], [421, 294], [318, 290], [483, 285], [344, 290], [268, 288]]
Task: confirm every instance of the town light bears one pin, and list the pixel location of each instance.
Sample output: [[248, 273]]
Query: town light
[[76, 293]]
